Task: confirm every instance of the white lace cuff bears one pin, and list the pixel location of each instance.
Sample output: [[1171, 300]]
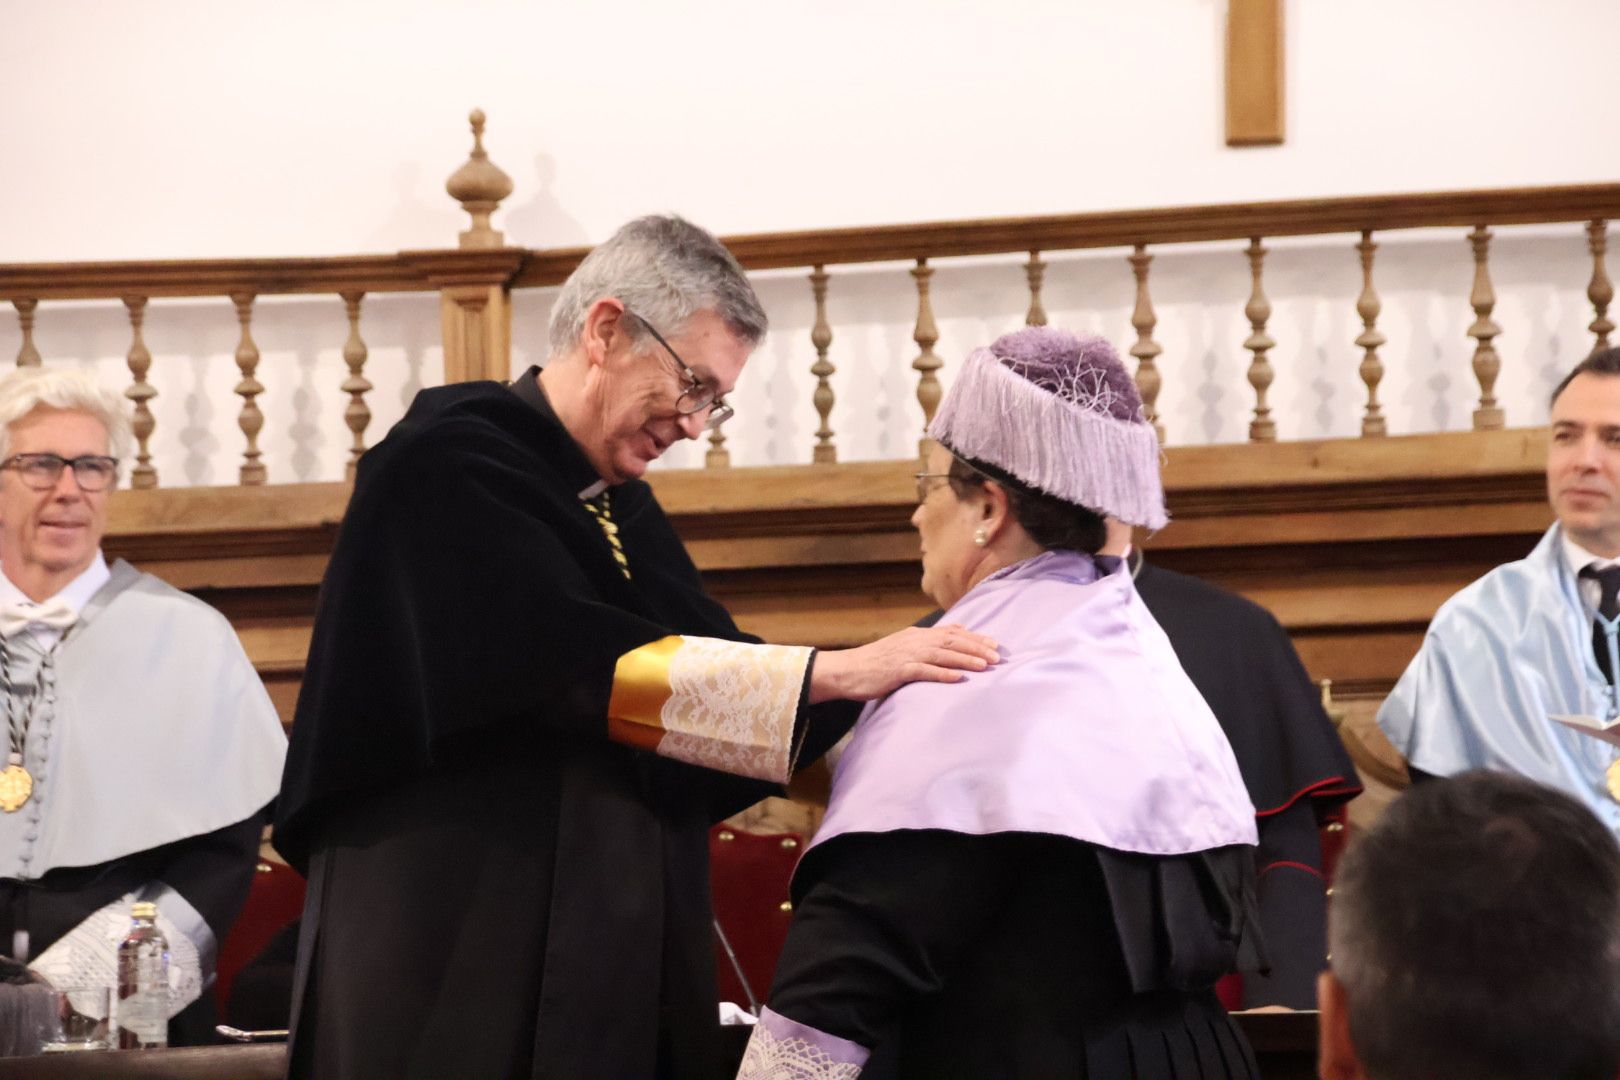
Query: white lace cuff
[[87, 955], [782, 1049], [723, 705]]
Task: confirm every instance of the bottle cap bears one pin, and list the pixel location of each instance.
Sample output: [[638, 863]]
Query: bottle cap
[[143, 910]]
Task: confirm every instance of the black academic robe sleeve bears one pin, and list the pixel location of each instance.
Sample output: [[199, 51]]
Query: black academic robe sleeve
[[1293, 909], [1294, 766], [669, 583], [469, 590]]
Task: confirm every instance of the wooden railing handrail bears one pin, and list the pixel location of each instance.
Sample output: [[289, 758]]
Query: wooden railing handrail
[[423, 271], [404, 271], [1124, 228]]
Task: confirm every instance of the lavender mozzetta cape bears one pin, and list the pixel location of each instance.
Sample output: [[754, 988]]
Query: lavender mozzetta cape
[[1088, 728]]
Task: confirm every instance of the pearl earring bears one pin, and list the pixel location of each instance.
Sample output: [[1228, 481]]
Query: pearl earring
[[981, 537]]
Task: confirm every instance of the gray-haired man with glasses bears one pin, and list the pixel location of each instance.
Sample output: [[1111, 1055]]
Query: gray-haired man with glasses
[[522, 711], [140, 746]]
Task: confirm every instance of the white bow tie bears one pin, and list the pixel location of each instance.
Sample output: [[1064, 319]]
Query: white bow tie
[[19, 616]]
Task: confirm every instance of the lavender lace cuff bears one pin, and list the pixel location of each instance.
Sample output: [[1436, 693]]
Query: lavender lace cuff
[[783, 1049]]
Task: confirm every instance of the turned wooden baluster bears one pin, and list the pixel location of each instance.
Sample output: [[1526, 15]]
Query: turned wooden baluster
[[1146, 350], [1262, 428], [718, 457], [141, 423], [925, 335], [1488, 417], [27, 356], [356, 414], [1035, 271], [251, 420], [1600, 291], [1372, 368], [825, 453]]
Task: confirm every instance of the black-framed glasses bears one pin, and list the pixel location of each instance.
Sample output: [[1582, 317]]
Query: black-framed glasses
[[94, 472], [698, 395], [924, 488]]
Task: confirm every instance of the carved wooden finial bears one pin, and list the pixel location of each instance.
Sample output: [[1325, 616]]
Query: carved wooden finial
[[479, 186]]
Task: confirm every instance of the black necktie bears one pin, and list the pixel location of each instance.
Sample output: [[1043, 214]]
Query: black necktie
[[1608, 580]]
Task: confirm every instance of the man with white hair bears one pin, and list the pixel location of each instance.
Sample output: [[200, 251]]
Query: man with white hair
[[140, 746], [522, 712]]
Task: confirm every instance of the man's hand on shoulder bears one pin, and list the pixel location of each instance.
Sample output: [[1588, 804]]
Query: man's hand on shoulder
[[915, 654]]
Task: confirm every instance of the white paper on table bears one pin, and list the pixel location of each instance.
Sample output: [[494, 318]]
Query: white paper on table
[[1607, 730]]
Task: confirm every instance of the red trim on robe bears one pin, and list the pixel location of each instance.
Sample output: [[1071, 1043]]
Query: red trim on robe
[[1320, 790], [1269, 867]]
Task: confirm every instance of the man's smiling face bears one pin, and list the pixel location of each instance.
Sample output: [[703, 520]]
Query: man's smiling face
[[57, 530]]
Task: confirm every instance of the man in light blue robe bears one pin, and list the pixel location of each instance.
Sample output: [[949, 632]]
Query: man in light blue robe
[[1517, 648], [138, 747]]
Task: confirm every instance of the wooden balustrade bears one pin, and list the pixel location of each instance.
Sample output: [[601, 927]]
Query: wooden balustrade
[[140, 392], [251, 420], [927, 363], [1146, 350], [357, 415], [826, 450], [1487, 365], [1262, 428], [475, 279], [1600, 291], [717, 457], [28, 355], [1372, 368], [1035, 274]]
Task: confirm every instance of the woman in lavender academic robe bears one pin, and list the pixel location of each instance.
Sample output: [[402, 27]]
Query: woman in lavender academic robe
[[1040, 870]]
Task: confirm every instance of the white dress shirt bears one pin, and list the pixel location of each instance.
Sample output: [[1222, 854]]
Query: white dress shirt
[[75, 594]]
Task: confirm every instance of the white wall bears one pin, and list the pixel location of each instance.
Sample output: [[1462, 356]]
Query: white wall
[[192, 128]]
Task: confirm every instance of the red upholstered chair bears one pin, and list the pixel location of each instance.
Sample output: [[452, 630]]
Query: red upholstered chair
[[275, 899], [1335, 833], [749, 875]]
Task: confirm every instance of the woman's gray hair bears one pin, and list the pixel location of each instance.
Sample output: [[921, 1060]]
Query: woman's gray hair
[[664, 269], [27, 389]]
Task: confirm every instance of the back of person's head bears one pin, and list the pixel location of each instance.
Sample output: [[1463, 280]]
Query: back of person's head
[[1604, 363], [664, 269], [26, 389], [1475, 934]]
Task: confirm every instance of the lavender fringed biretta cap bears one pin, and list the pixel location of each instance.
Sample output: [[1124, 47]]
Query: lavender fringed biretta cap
[[1061, 414]]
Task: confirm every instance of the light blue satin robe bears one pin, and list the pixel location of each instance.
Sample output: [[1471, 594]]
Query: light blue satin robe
[[1500, 658]]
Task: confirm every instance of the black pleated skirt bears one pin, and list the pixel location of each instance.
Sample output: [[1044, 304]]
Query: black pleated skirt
[[1020, 956]]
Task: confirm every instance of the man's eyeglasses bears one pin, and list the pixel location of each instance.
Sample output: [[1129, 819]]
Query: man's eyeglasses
[[94, 472], [698, 395]]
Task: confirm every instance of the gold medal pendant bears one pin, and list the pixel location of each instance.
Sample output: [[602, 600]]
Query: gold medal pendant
[[16, 786]]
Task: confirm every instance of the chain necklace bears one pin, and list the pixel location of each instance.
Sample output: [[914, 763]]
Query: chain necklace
[[16, 783]]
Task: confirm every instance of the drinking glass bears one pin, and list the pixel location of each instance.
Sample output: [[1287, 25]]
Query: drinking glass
[[78, 1020]]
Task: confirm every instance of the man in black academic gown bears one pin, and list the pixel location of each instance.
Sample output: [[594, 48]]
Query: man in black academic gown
[[522, 713], [1296, 769]]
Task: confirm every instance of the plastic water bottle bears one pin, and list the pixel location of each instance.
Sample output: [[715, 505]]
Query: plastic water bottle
[[143, 983]]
